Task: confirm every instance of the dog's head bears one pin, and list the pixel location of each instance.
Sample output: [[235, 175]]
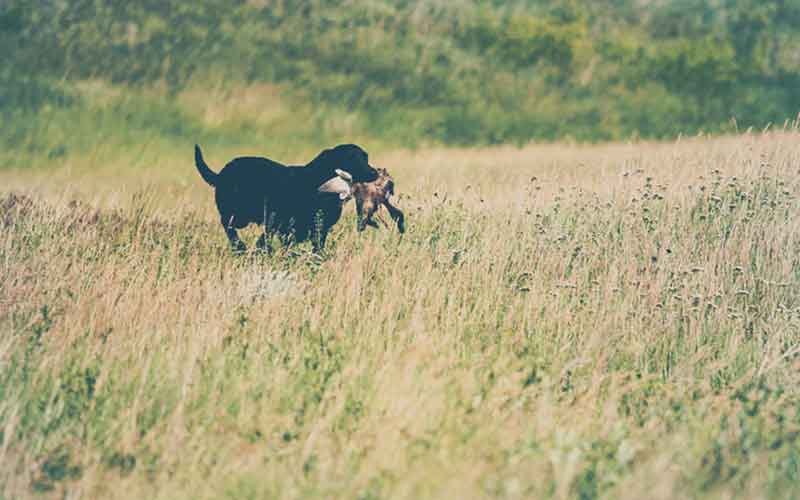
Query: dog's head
[[348, 158]]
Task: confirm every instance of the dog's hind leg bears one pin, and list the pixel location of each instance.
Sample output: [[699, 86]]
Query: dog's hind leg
[[237, 245]]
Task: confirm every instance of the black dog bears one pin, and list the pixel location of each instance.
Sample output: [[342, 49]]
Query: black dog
[[285, 200]]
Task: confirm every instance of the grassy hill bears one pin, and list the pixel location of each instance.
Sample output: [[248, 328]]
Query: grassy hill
[[392, 73]]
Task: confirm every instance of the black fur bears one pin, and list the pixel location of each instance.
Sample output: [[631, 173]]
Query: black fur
[[283, 199]]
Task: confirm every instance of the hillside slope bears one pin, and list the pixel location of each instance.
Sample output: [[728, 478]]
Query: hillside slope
[[425, 71]]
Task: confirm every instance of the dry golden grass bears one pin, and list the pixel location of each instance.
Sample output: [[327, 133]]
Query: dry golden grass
[[615, 321]]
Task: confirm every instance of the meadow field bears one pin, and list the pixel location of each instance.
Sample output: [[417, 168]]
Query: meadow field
[[559, 321], [598, 294]]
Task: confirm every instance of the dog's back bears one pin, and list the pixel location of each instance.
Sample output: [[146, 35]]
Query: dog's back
[[249, 186]]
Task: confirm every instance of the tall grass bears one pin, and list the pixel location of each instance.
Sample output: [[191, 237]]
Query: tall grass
[[559, 322]]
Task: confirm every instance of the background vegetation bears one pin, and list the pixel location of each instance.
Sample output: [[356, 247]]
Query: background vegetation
[[400, 73]]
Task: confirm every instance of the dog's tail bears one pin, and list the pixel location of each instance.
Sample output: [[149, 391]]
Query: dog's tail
[[206, 173]]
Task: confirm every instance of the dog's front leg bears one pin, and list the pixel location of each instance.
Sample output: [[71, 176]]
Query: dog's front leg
[[263, 243], [318, 241]]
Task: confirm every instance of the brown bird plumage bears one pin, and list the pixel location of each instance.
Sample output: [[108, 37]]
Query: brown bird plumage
[[369, 198]]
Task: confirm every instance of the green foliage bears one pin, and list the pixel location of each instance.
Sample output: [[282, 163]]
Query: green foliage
[[467, 73], [523, 40], [695, 67]]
